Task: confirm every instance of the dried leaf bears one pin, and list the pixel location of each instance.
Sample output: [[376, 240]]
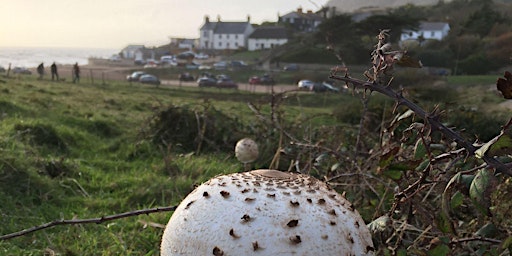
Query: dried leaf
[[499, 145], [505, 85], [405, 60]]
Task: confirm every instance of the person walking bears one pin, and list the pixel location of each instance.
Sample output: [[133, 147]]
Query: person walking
[[76, 73], [40, 70], [53, 68]]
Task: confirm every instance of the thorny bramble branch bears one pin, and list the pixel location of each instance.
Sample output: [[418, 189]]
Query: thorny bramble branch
[[383, 62]]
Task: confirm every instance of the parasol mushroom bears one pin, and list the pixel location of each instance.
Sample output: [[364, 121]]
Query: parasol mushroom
[[265, 212]]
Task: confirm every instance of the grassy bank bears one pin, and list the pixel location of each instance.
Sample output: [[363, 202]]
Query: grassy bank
[[79, 151]]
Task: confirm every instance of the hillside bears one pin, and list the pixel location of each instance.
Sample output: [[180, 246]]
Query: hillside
[[355, 5]]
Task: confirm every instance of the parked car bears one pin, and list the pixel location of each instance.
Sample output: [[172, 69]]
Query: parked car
[[204, 67], [202, 56], [186, 77], [254, 80], [149, 79], [263, 80], [188, 55], [20, 70], [324, 87], [291, 67], [226, 83], [192, 65], [168, 60], [206, 81], [133, 77], [306, 84], [139, 62], [222, 65], [238, 64]]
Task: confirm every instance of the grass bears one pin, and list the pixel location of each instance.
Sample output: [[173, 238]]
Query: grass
[[77, 151]]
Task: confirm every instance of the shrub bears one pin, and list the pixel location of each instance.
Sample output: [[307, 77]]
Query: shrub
[[200, 130]]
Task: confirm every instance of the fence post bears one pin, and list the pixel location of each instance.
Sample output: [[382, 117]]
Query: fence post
[[92, 78]]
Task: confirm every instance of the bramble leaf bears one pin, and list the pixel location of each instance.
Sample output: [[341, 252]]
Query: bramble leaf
[[480, 190]]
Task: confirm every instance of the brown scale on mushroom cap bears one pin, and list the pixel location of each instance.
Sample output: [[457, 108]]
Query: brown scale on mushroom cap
[[293, 214]]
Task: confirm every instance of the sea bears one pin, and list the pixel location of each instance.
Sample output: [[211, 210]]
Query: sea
[[30, 57]]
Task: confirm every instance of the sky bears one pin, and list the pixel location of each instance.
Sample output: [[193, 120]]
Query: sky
[[114, 24]]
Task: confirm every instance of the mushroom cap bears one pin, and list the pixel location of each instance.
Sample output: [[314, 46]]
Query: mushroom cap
[[265, 212], [246, 150]]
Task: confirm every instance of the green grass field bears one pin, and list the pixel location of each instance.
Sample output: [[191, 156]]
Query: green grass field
[[79, 151], [76, 151]]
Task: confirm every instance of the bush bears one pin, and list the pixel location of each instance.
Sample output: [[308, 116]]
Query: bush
[[199, 130], [476, 64]]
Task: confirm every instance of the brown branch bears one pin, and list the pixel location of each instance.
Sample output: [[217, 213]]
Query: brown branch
[[87, 221], [431, 119], [471, 239]]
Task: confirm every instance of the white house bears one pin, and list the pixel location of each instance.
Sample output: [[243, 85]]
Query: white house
[[130, 51], [224, 35], [267, 38], [427, 31]]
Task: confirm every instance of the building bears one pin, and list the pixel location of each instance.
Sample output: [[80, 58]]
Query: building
[[301, 21], [267, 38], [427, 31], [130, 51], [224, 35], [183, 43]]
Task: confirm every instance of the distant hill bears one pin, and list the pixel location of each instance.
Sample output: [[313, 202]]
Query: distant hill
[[347, 6]]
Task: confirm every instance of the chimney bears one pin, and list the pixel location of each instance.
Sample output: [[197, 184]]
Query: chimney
[[299, 10], [218, 18], [310, 11], [206, 19], [248, 18]]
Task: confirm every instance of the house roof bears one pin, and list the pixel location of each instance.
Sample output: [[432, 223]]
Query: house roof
[[226, 27], [270, 33], [133, 47], [302, 15], [432, 26]]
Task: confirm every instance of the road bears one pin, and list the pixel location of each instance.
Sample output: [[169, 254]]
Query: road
[[241, 86]]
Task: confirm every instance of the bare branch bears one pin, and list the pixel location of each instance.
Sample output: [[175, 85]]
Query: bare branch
[[87, 221]]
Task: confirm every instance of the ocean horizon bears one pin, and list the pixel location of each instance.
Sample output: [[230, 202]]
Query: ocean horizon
[[30, 57]]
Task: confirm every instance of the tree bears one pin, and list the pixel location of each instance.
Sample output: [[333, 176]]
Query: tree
[[481, 21], [340, 34], [396, 21]]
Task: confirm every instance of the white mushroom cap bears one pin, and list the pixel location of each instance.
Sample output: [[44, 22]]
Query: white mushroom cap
[[266, 212], [246, 150]]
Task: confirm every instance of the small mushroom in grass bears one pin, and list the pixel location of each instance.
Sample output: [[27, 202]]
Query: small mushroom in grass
[[246, 151], [219, 225]]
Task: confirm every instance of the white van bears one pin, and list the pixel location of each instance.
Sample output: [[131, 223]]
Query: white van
[[168, 60]]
